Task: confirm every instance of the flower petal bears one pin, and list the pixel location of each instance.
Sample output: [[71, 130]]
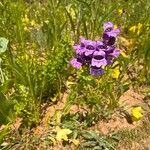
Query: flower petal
[[96, 71], [89, 52], [83, 42], [115, 53], [99, 63], [113, 33], [91, 45], [75, 63], [100, 45], [108, 25], [98, 59]]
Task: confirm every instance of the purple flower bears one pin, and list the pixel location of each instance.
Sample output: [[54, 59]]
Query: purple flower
[[97, 54], [95, 71], [109, 60], [98, 59], [108, 26], [100, 45], [109, 29], [109, 49], [78, 62], [108, 40], [80, 48], [115, 53], [110, 34], [75, 63], [83, 42], [90, 47]]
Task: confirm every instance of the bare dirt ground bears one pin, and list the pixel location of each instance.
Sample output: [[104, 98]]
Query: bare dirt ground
[[119, 120]]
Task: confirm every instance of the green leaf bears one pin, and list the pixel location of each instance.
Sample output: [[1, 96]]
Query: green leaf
[[3, 133], [4, 88], [87, 135], [97, 148], [89, 144], [5, 107], [3, 44]]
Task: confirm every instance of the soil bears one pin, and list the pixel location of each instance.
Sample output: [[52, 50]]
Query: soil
[[121, 120]]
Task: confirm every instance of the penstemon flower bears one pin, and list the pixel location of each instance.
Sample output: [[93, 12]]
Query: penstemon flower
[[97, 54]]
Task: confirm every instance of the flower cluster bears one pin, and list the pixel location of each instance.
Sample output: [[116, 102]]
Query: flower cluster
[[97, 54]]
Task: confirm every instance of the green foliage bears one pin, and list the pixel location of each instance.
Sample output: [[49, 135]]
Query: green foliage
[[3, 44], [96, 141], [5, 109]]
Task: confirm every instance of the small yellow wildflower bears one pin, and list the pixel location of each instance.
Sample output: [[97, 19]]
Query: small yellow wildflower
[[26, 29], [33, 23], [115, 26], [133, 29], [25, 20], [116, 73], [136, 113], [62, 134], [120, 12], [139, 28]]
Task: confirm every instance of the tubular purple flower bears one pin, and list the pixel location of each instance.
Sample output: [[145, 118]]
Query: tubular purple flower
[[90, 48], [83, 42], [115, 53], [98, 59], [109, 49], [110, 34], [108, 26], [100, 45], [97, 53], [113, 33], [78, 61], [75, 63], [95, 71], [109, 41], [79, 50]]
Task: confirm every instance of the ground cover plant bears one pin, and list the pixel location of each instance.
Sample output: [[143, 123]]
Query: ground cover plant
[[74, 74]]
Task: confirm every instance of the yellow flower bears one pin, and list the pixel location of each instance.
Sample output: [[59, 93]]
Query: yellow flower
[[133, 29], [120, 12], [26, 29], [115, 73], [136, 113], [139, 28], [115, 26], [33, 23], [62, 134], [25, 20]]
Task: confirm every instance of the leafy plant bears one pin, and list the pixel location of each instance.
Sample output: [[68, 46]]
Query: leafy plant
[[95, 141]]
